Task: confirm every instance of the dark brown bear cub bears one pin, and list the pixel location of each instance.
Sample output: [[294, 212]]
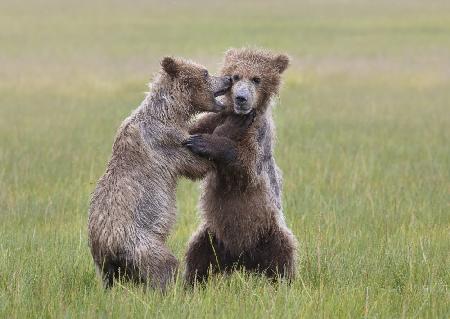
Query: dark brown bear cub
[[133, 206], [242, 220]]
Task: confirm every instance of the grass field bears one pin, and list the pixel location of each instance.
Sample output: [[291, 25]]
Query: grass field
[[363, 140]]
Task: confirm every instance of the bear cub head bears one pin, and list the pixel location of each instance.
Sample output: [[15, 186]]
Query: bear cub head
[[256, 77], [195, 83]]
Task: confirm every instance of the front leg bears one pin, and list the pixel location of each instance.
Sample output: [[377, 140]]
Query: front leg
[[215, 148], [221, 146], [207, 123], [235, 126], [193, 166]]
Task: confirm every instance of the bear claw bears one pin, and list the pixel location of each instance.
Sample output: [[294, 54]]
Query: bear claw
[[197, 144]]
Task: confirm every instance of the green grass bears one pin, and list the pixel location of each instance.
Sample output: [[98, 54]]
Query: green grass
[[363, 140]]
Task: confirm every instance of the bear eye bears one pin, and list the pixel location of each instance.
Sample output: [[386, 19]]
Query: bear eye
[[205, 73], [236, 77], [256, 80]]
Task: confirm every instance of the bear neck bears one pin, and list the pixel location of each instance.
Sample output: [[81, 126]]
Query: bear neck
[[168, 102], [266, 103]]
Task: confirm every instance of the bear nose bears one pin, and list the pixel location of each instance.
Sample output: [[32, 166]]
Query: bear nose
[[241, 99]]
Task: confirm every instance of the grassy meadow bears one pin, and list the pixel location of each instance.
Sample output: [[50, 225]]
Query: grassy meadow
[[363, 139]]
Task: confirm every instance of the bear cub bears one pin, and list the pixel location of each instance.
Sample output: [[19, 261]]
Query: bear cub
[[133, 206], [243, 225]]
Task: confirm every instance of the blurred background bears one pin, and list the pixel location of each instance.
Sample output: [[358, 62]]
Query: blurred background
[[363, 140], [101, 41]]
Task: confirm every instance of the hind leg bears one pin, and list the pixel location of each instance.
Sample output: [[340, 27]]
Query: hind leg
[[275, 256], [107, 270], [204, 256], [155, 265], [114, 269], [106, 273]]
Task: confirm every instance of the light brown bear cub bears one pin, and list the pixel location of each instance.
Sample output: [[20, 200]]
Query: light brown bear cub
[[242, 219], [133, 206]]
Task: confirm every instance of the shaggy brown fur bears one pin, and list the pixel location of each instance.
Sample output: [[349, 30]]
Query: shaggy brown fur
[[133, 206], [243, 223]]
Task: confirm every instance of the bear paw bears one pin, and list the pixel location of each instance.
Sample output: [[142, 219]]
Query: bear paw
[[198, 144]]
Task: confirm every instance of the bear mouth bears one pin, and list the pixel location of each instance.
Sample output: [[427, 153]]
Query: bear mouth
[[241, 110], [220, 93], [218, 101]]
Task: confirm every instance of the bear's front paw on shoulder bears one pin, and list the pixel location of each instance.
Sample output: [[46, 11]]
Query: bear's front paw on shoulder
[[198, 144]]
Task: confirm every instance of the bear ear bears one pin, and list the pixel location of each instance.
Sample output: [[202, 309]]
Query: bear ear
[[230, 53], [281, 62], [170, 66]]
